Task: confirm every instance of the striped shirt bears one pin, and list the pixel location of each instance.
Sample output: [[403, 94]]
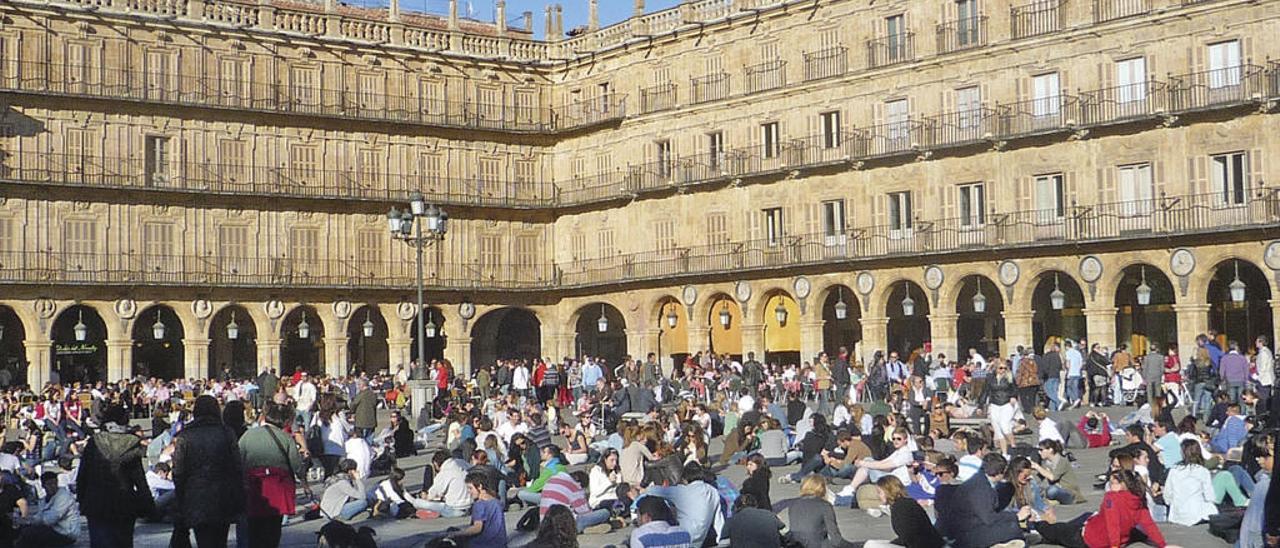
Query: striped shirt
[[660, 534], [563, 490]]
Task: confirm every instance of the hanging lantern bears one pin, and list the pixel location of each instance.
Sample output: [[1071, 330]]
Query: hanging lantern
[[602, 324], [672, 318], [431, 328], [724, 316], [367, 326], [80, 329], [1237, 287], [780, 312], [842, 310], [908, 304], [304, 329], [979, 300], [1057, 298], [157, 329], [233, 329], [1144, 290]]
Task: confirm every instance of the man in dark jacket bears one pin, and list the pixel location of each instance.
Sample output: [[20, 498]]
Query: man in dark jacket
[[976, 519], [112, 486], [752, 373], [267, 384], [840, 374], [1050, 365], [208, 478], [365, 408]]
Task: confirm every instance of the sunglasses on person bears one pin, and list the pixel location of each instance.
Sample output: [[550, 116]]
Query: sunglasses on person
[[899, 438]]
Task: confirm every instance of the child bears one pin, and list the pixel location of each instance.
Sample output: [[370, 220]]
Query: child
[[488, 524]]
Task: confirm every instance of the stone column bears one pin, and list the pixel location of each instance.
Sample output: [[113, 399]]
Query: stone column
[[1017, 330], [1101, 326], [1275, 325], [453, 14], [393, 11], [811, 338], [1193, 320], [753, 340], [39, 361], [699, 338], [335, 354], [593, 15], [269, 352], [119, 359], [458, 352], [875, 335], [640, 342], [639, 9], [195, 354], [399, 350], [942, 328], [501, 7]]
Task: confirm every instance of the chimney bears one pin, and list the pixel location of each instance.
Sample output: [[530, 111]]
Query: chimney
[[639, 8], [501, 7], [550, 26], [453, 14], [559, 21], [593, 15]]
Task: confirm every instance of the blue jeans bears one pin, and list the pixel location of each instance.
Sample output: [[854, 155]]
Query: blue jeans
[[1073, 389], [529, 497], [594, 517], [845, 472], [1202, 396], [1059, 494], [1233, 391], [353, 509], [441, 508], [810, 466], [1051, 390], [1242, 477], [110, 533]]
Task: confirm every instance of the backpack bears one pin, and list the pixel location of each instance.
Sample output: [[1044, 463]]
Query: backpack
[[1028, 373]]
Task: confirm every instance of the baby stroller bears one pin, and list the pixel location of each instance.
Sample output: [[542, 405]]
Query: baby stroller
[[1131, 385]]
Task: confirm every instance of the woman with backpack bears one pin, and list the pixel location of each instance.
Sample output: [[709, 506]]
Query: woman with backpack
[[272, 465]]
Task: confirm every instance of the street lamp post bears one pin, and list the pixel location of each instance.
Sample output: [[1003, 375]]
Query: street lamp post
[[407, 226]]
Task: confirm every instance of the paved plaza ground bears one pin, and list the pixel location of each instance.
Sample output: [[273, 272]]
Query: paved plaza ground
[[856, 525]]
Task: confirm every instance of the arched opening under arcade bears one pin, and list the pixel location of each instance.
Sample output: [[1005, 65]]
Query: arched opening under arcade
[[505, 334], [1057, 306], [233, 343], [13, 350], [724, 320], [1239, 307], [841, 321], [437, 339], [302, 342], [157, 344], [1144, 309], [367, 341], [781, 319], [79, 345], [981, 323], [908, 312], [673, 332], [601, 332]]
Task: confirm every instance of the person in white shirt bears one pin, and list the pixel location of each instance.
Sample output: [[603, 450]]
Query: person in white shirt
[[392, 490], [520, 380], [514, 425], [896, 463], [358, 450], [448, 495], [305, 397], [746, 402]]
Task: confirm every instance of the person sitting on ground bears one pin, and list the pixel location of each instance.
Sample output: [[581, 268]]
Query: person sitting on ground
[[975, 509], [552, 464], [655, 527], [1193, 492], [1251, 527], [1232, 433], [488, 524], [1121, 519], [813, 519], [757, 482], [752, 526], [448, 494], [910, 522], [1057, 471], [56, 523], [1096, 429], [344, 498], [975, 447], [894, 464], [566, 489], [557, 529], [578, 449], [696, 501]]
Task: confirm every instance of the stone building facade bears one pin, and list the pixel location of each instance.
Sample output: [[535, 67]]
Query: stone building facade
[[735, 176]]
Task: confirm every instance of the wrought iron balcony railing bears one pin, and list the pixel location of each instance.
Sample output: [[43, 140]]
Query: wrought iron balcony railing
[[174, 88], [825, 63], [1110, 10], [658, 98], [891, 50], [962, 34], [711, 87], [1038, 17], [766, 76]]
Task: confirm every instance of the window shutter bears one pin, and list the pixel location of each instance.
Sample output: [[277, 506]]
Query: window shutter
[[1255, 180], [1196, 55], [1157, 180], [949, 201], [948, 100], [1198, 170], [1246, 50], [1023, 95], [813, 218], [877, 112], [879, 209], [1025, 193], [753, 221], [1069, 189], [1107, 179], [988, 199]]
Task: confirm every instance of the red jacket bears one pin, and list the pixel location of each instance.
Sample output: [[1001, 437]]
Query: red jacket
[[442, 377], [538, 373], [1101, 439], [1120, 512]]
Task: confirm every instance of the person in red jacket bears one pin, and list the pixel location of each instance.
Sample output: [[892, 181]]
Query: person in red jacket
[[1096, 429], [1123, 518], [540, 372]]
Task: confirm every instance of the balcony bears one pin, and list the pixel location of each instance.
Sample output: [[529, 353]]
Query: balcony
[[962, 34], [891, 139], [1110, 10], [1119, 104], [173, 88], [658, 98], [131, 173], [891, 50], [1221, 88], [962, 127], [711, 87], [1041, 116], [825, 63], [1037, 18], [766, 76]]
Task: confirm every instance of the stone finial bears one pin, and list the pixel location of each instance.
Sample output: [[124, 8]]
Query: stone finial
[[528, 21], [453, 14], [559, 20], [593, 14], [549, 28], [639, 8], [501, 15], [393, 10]]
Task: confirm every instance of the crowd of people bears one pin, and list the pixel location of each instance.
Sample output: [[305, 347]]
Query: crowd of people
[[967, 453]]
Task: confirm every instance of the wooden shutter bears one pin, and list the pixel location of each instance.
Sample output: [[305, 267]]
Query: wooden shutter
[[1107, 180], [753, 224], [1158, 188], [1196, 55], [1026, 194], [813, 218], [879, 210], [1022, 93], [1198, 173], [1254, 161], [949, 200], [1069, 195]]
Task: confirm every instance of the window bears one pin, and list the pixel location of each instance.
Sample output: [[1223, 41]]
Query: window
[[973, 209], [717, 228], [79, 240], [1049, 196], [894, 25], [1135, 183], [157, 240], [370, 93], [157, 161], [769, 140], [369, 254], [82, 152], [833, 221], [578, 245], [527, 250], [304, 86], [664, 234], [1228, 172], [830, 129], [78, 67], [966, 22], [232, 161], [526, 106], [604, 243], [233, 80], [8, 243], [489, 103], [431, 93], [370, 169], [430, 168], [160, 76], [1224, 64], [304, 247], [1131, 80], [304, 164], [233, 247], [969, 107], [773, 225], [1045, 95], [604, 163], [525, 183], [665, 161], [715, 149], [488, 179], [895, 32], [490, 251], [900, 219], [896, 118]]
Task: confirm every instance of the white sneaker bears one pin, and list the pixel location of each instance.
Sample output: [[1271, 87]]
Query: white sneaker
[[874, 512], [1016, 543]]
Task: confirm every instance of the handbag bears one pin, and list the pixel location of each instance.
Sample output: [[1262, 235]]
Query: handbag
[[270, 492]]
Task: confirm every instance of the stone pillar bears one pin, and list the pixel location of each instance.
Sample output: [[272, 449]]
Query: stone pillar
[[453, 14], [640, 342], [39, 361], [811, 338], [458, 352], [1017, 331], [753, 340], [548, 27], [119, 359], [639, 9], [399, 350], [195, 354], [269, 352], [875, 336], [335, 355], [559, 21], [1275, 325], [699, 338], [528, 21], [1193, 320], [593, 15], [942, 329], [1101, 326], [501, 8], [195, 9], [393, 11]]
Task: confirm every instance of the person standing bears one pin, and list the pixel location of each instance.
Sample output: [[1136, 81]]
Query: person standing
[[208, 480], [272, 464], [305, 396], [267, 382], [1075, 374], [365, 409], [1153, 371], [1266, 363], [112, 485], [1050, 365], [1234, 370], [840, 374], [482, 382]]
